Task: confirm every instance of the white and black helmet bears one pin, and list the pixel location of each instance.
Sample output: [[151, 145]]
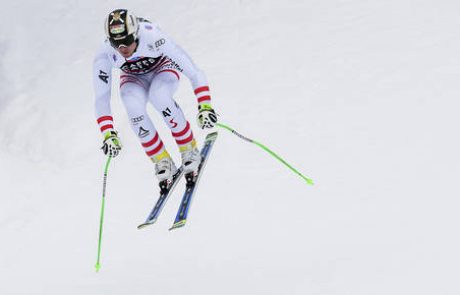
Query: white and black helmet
[[121, 28]]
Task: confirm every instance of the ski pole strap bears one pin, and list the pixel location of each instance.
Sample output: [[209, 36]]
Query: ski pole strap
[[101, 222], [272, 153]]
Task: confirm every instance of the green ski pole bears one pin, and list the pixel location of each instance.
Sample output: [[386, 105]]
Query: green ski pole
[[101, 223], [308, 180]]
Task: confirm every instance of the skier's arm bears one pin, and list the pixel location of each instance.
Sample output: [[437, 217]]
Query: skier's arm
[[206, 117], [196, 76], [102, 81]]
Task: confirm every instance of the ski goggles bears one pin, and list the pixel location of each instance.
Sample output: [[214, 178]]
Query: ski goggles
[[126, 41]]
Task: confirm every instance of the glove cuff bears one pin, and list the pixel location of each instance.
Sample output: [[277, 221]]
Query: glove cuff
[[111, 133], [204, 106]]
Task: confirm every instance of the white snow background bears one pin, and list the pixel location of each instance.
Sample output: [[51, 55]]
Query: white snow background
[[362, 96]]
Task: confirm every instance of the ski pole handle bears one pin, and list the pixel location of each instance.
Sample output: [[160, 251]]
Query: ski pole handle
[[273, 154]]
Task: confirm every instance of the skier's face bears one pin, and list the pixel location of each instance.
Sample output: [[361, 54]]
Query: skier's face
[[127, 51]]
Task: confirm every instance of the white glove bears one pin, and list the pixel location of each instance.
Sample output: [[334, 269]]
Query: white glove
[[112, 144], [207, 117]]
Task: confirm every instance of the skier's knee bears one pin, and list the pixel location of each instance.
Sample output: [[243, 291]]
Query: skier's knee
[[161, 92], [128, 92], [161, 100]]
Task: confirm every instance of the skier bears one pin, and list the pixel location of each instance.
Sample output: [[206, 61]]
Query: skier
[[150, 64]]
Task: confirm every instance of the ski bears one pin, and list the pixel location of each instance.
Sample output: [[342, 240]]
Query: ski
[[165, 192], [192, 183]]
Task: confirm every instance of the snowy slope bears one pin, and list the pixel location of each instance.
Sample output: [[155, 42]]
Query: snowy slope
[[360, 95]]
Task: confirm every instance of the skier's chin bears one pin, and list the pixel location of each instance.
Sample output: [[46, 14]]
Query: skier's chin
[[126, 55], [126, 52]]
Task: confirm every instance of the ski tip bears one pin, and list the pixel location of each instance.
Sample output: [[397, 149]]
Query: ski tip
[[98, 267], [178, 224], [141, 226], [212, 135]]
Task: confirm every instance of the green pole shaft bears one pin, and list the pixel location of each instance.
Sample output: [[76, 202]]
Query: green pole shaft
[[101, 222], [272, 153]]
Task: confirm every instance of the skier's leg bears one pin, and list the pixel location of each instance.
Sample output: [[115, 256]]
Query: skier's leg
[[133, 91], [161, 92]]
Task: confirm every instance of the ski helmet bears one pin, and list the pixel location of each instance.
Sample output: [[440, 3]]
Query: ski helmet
[[121, 28]]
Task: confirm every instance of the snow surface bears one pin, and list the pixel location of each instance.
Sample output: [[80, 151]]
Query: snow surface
[[362, 96]]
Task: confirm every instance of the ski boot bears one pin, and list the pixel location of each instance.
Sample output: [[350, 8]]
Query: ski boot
[[165, 170], [191, 160]]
